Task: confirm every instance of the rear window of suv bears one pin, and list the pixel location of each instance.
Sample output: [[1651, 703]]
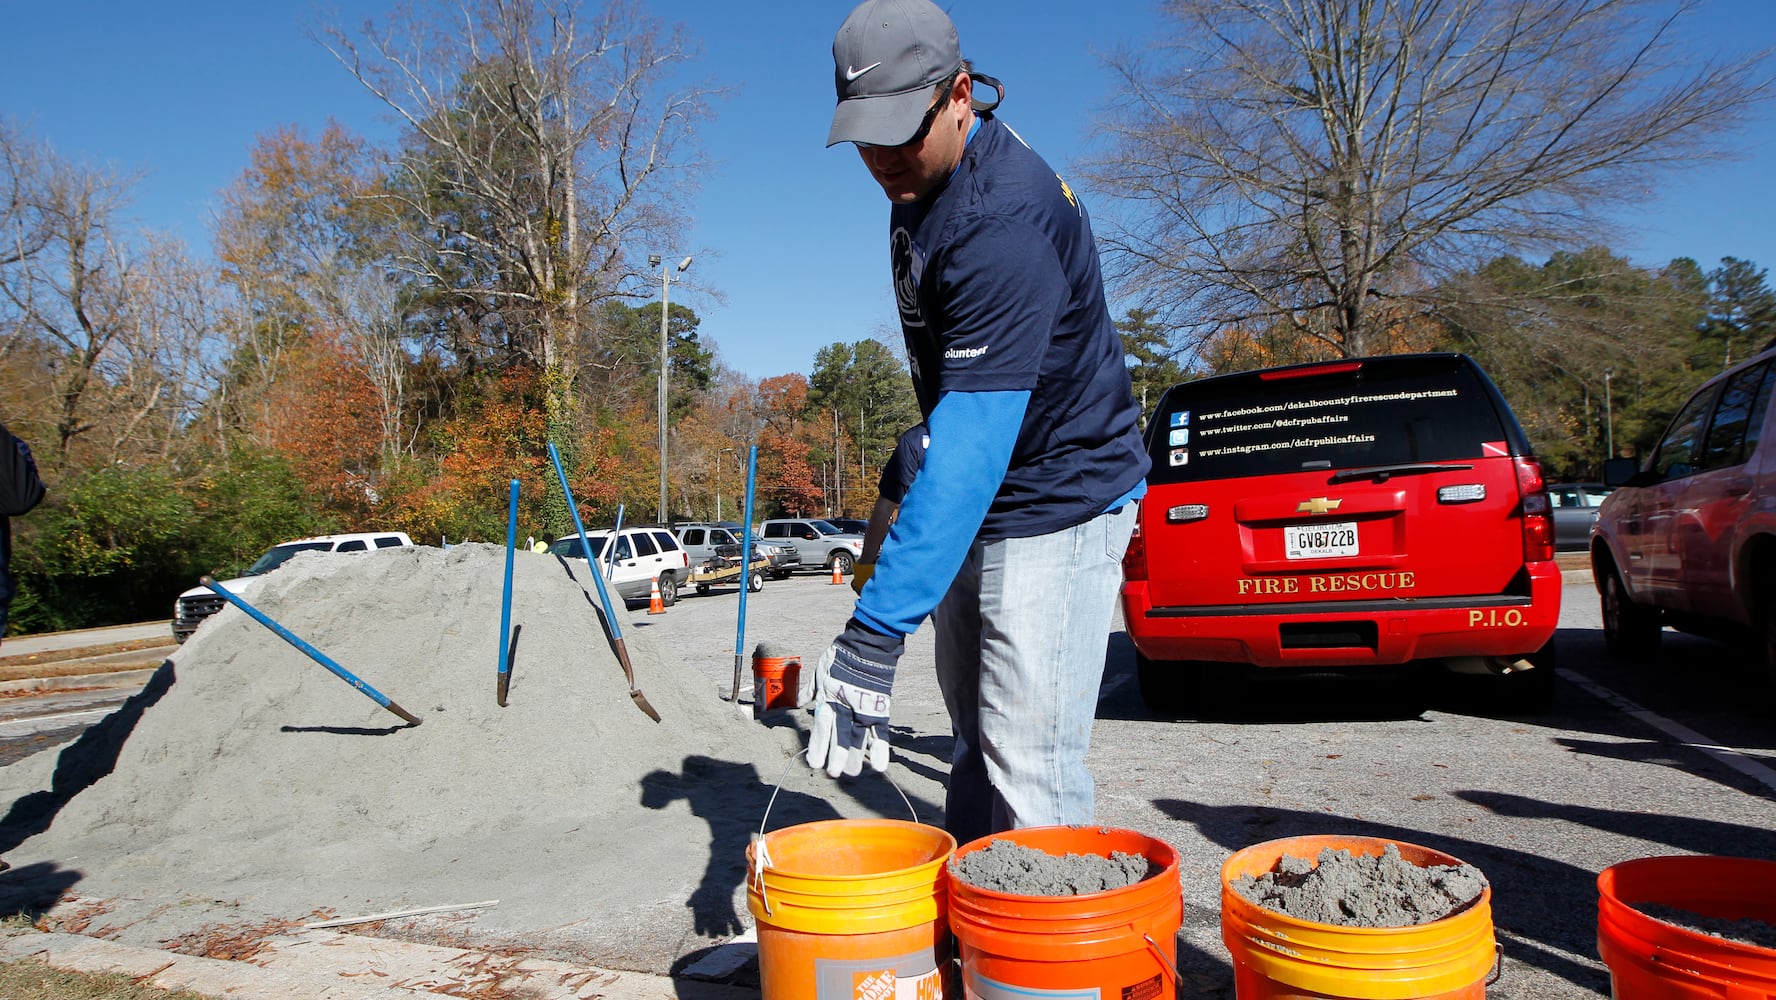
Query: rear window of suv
[[1342, 415]]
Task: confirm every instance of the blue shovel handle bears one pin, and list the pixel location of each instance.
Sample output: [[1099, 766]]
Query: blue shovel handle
[[610, 613], [505, 641], [752, 455], [313, 653]]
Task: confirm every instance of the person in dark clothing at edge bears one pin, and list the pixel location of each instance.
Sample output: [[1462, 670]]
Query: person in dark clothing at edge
[[20, 491], [891, 489], [1012, 535]]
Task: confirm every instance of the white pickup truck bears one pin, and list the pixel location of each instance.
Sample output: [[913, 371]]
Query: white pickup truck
[[200, 602]]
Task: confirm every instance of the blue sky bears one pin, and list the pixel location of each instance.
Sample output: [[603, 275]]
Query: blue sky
[[789, 233]]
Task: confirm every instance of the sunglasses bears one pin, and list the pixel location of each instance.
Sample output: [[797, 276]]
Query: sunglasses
[[925, 123]]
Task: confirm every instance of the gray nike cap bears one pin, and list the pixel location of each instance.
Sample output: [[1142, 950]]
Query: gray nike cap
[[887, 57]]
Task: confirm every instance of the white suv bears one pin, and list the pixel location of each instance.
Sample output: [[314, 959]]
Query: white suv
[[198, 603], [641, 556], [819, 543]]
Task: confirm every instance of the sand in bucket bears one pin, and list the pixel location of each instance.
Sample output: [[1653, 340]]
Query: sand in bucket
[[1364, 946], [1654, 922], [1108, 930]]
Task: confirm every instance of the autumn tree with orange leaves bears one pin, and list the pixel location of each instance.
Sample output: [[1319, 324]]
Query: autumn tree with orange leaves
[[326, 424], [786, 477]]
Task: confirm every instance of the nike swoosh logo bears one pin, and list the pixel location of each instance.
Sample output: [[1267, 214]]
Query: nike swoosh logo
[[852, 74]]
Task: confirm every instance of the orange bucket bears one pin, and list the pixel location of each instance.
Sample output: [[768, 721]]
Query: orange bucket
[[1279, 957], [774, 682], [1118, 943], [1650, 959], [852, 908]]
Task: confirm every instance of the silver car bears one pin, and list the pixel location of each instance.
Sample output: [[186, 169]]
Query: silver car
[[1575, 511]]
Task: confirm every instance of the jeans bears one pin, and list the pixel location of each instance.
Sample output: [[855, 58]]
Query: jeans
[[1021, 637]]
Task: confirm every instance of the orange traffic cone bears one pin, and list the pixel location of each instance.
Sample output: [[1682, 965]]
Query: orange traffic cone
[[655, 605], [837, 577]]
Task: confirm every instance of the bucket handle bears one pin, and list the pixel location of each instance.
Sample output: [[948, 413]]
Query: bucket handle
[[1498, 964], [761, 855], [1165, 962]]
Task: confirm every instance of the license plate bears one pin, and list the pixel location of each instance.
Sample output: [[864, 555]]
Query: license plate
[[1320, 541]]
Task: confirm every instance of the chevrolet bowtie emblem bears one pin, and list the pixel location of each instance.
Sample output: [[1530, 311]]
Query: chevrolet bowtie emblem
[[1318, 505]]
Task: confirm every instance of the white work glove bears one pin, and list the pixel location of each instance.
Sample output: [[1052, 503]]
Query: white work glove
[[849, 696]]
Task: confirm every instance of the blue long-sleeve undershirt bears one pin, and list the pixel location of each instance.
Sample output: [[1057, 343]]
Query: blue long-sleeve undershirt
[[972, 437]]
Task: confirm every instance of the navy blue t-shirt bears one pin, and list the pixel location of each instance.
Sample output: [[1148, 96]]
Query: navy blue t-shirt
[[903, 465], [997, 283]]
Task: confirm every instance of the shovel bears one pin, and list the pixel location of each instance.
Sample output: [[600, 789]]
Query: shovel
[[309, 651], [610, 614], [752, 456], [505, 650]]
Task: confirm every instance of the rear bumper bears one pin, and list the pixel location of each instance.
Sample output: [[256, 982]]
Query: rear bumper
[[1347, 633]]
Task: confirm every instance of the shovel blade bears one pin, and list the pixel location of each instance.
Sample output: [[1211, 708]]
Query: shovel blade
[[641, 702]]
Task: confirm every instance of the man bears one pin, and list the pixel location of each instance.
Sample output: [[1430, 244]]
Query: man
[[20, 490], [1012, 535]]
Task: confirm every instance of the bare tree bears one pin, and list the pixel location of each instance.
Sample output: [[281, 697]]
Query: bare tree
[[21, 230], [1297, 160], [117, 321], [72, 292], [306, 252], [538, 138], [159, 379], [367, 307]]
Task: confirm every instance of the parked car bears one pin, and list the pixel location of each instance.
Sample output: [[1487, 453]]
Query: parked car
[[1380, 512], [199, 603], [1575, 511], [705, 540], [819, 543], [640, 555], [1688, 539]]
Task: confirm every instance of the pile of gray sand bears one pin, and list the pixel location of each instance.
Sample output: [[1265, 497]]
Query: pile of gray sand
[[1346, 890], [1011, 867], [246, 783], [1744, 930]]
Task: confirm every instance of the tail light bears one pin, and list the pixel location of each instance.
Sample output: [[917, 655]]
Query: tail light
[[1538, 513], [1134, 560]]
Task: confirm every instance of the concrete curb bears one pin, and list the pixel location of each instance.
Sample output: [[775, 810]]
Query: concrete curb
[[112, 679], [169, 971], [327, 965]]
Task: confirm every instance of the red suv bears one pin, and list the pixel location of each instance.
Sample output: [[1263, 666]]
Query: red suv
[[1347, 514], [1689, 539]]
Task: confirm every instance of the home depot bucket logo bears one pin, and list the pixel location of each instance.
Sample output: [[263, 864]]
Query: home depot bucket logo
[[920, 975], [885, 985], [873, 986]]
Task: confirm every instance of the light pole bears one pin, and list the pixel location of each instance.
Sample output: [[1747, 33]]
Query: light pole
[[666, 280], [718, 478], [1609, 421]]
